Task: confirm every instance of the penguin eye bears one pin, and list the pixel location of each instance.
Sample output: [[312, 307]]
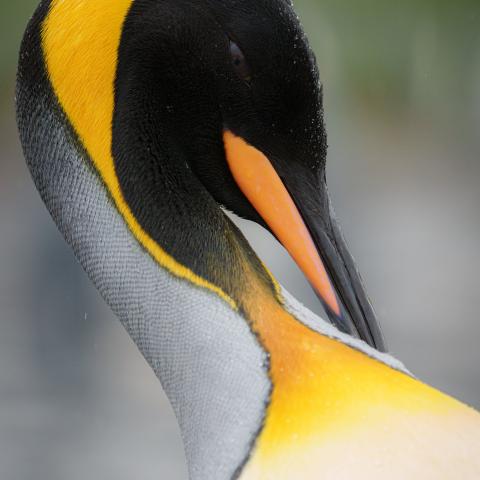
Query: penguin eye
[[239, 62]]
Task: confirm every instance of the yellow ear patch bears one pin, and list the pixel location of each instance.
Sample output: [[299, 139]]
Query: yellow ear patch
[[80, 40]]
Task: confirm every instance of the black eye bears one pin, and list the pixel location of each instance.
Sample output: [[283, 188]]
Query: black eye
[[239, 62]]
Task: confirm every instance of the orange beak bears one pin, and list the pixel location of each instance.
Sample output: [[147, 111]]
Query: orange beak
[[310, 234], [261, 185]]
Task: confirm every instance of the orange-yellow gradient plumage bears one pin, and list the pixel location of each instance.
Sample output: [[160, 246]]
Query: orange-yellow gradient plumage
[[336, 413]]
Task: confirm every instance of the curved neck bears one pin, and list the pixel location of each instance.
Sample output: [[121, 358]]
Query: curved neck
[[209, 362]]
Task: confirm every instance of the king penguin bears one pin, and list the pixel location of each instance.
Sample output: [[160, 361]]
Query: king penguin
[[142, 121]]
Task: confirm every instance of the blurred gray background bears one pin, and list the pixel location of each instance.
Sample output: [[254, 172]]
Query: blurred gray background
[[402, 94]]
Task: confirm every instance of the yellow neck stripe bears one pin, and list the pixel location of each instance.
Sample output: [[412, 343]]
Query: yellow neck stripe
[[80, 40]]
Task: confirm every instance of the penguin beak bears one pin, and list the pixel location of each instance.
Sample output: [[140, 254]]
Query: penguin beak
[[313, 241]]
